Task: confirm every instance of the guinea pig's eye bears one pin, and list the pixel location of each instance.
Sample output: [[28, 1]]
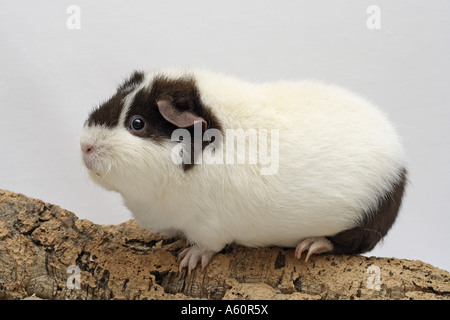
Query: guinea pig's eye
[[137, 124]]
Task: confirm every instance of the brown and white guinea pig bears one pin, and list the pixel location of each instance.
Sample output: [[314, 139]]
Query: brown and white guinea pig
[[328, 174]]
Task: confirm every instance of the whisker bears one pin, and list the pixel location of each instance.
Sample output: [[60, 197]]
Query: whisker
[[107, 172]]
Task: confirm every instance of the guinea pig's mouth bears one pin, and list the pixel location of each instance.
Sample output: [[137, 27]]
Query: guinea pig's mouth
[[93, 162], [89, 161], [95, 167], [97, 174], [96, 152]]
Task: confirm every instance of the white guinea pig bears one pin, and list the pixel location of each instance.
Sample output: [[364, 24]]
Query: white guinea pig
[[220, 160]]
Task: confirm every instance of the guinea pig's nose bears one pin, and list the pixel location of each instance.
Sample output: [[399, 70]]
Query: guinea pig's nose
[[86, 147]]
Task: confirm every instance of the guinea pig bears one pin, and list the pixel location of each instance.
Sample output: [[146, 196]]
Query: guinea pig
[[219, 160]]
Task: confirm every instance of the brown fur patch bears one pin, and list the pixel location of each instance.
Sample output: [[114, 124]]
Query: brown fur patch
[[184, 95], [374, 226], [107, 113]]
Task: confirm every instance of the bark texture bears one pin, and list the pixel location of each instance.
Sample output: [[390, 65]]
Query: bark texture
[[39, 242]]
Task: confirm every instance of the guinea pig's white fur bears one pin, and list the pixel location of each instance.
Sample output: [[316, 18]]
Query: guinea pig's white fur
[[338, 155]]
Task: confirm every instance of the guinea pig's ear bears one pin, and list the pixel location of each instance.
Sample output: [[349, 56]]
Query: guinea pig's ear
[[181, 119]]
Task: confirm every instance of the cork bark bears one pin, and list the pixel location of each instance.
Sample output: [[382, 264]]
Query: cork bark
[[47, 252]]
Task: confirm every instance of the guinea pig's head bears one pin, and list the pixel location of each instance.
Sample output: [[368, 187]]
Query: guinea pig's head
[[126, 140]]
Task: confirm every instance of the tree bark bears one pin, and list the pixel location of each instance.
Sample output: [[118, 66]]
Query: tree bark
[[47, 252]]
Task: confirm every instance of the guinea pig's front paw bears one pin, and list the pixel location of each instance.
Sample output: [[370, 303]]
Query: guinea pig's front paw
[[314, 245], [192, 255]]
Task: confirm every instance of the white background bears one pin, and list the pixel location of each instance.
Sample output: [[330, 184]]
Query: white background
[[51, 76]]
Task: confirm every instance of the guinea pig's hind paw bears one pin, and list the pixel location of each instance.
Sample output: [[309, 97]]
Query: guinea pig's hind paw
[[314, 245], [192, 255]]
